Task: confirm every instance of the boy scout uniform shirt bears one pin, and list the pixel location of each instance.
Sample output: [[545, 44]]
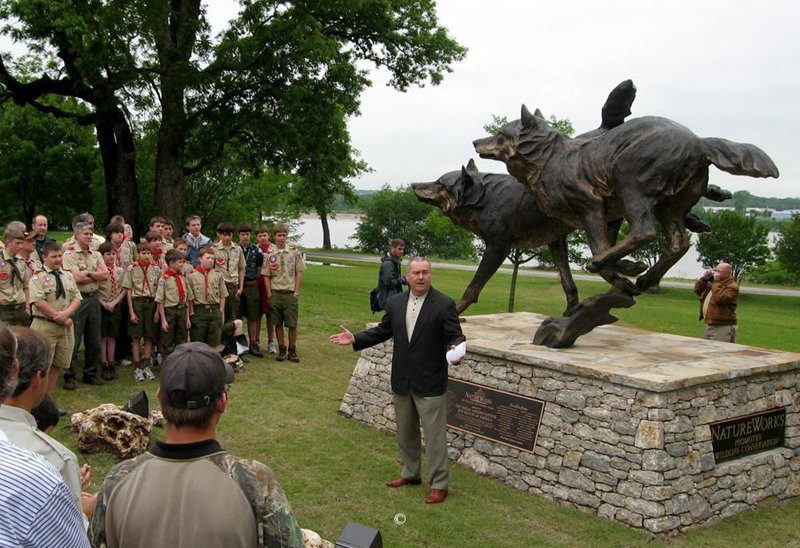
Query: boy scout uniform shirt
[[110, 288], [229, 260], [168, 294], [85, 261], [43, 288], [281, 265], [12, 282], [33, 264], [139, 284], [126, 254], [208, 293]]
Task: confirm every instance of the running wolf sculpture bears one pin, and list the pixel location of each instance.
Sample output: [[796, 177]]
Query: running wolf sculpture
[[645, 170]]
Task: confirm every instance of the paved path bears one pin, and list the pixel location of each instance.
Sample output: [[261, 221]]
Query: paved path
[[757, 290]]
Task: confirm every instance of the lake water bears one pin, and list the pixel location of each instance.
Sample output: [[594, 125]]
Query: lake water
[[343, 228]]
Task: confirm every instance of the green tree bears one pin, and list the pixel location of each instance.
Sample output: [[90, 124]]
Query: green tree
[[734, 239], [787, 250], [425, 230], [45, 165], [741, 201], [281, 75]]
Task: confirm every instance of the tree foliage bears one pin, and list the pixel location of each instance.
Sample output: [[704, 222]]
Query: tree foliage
[[734, 239], [787, 250], [279, 82], [399, 214], [46, 165]]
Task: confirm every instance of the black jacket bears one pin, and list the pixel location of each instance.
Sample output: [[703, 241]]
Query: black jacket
[[390, 283], [418, 365]]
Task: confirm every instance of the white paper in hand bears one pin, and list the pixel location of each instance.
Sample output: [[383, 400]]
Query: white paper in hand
[[455, 354]]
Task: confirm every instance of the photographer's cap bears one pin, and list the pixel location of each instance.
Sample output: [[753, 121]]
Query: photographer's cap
[[194, 376]]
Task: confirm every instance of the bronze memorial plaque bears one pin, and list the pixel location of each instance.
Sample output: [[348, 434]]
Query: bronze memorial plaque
[[747, 435], [500, 416]]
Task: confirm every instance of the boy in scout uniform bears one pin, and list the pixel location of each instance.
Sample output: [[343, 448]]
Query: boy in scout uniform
[[229, 259], [153, 238], [141, 281], [183, 246], [174, 298], [265, 246], [284, 270], [208, 305], [55, 298], [89, 271], [111, 294], [251, 299], [124, 249], [14, 304]]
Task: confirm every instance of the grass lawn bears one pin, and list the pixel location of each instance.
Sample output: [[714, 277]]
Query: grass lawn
[[333, 469]]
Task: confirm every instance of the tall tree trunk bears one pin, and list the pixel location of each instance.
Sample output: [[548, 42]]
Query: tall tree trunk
[[118, 152], [513, 289], [170, 155], [175, 45], [326, 230]]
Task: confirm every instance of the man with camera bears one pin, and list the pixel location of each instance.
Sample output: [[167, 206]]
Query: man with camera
[[718, 292]]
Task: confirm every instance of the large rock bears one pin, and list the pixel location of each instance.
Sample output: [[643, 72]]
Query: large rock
[[109, 429]]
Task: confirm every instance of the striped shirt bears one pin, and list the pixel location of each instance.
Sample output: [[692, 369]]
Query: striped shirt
[[36, 508]]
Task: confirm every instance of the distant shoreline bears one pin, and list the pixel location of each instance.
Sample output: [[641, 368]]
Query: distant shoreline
[[342, 216]]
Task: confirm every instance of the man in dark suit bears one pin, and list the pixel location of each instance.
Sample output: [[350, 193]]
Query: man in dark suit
[[424, 325]]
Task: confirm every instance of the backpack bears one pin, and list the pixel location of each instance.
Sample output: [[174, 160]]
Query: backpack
[[373, 301]]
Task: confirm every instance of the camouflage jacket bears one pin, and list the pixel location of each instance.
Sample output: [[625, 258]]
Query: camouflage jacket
[[192, 495]]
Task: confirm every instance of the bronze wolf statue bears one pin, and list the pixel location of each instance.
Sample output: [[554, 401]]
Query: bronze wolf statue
[[503, 213], [644, 170]]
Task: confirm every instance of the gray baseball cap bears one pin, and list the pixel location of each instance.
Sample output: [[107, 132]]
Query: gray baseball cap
[[194, 376]]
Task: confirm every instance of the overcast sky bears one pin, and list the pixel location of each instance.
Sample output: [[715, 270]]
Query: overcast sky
[[726, 69], [723, 69]]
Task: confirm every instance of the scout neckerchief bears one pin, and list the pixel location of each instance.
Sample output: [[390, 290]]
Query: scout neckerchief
[[118, 260], [146, 280], [204, 272], [265, 249], [15, 271], [113, 281], [60, 291], [178, 282]]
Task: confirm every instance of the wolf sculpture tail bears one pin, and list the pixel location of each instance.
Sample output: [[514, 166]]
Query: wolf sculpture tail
[[738, 158]]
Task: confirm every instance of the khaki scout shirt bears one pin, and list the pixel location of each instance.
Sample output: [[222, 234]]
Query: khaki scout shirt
[[139, 284], [33, 264], [93, 245], [281, 265], [209, 287], [43, 288], [229, 261], [12, 288], [112, 287], [126, 254], [167, 292], [85, 261]]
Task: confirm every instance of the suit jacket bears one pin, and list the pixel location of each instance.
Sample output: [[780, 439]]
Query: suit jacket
[[418, 365]]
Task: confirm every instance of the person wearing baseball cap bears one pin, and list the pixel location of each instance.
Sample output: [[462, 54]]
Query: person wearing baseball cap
[[187, 490]]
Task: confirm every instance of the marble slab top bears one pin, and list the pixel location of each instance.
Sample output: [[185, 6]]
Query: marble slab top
[[658, 362]]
